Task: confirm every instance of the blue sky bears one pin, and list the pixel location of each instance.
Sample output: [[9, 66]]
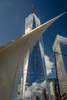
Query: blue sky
[[14, 12]]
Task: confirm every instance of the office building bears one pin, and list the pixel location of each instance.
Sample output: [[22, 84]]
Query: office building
[[51, 82], [36, 71], [20, 89], [60, 55]]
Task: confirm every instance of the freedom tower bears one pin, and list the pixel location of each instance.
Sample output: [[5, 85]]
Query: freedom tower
[[35, 71]]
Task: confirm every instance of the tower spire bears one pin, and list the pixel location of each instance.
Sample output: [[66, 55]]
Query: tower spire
[[32, 8]]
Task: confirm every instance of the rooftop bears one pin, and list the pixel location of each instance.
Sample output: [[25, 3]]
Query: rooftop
[[62, 39]]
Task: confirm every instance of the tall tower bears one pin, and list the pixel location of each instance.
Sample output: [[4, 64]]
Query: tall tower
[[35, 70], [60, 55]]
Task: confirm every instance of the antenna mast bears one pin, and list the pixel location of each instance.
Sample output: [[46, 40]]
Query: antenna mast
[[32, 8]]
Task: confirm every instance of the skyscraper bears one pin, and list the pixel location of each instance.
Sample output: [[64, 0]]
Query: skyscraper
[[36, 71], [60, 55]]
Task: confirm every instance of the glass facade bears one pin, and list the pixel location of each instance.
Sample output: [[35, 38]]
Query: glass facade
[[35, 69], [28, 23], [63, 46], [60, 50]]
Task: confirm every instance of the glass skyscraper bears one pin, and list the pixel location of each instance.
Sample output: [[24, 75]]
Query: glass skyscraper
[[60, 54], [36, 70]]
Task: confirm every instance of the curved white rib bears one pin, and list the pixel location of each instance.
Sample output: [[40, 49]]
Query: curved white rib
[[14, 56]]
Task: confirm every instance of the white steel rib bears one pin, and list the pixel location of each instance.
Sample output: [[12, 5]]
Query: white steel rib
[[13, 57]]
